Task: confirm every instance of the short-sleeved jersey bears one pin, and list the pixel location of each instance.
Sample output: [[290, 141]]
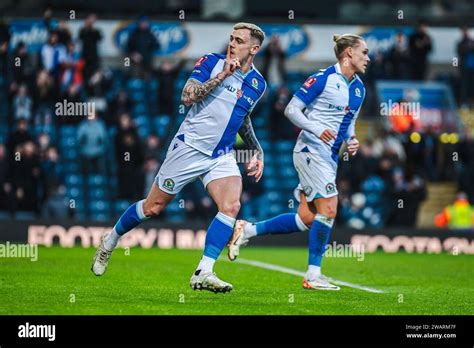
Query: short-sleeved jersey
[[333, 103], [211, 125]]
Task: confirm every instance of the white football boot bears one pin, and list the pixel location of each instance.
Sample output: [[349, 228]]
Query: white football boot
[[238, 240], [320, 283], [101, 258], [209, 281]]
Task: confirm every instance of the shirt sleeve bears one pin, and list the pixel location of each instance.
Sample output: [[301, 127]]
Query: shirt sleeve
[[203, 68], [311, 88]]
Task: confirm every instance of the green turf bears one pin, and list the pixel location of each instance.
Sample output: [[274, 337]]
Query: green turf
[[156, 281]]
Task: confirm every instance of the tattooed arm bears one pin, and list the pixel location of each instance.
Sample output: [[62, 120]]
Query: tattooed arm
[[247, 134], [194, 91]]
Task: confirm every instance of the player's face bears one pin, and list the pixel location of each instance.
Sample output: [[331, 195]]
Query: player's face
[[360, 57], [241, 45]]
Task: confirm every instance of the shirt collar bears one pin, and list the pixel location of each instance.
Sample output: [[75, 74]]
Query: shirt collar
[[337, 66]]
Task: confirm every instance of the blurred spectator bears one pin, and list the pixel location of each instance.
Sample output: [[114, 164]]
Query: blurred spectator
[[407, 197], [152, 147], [4, 42], [64, 34], [22, 67], [420, 47], [51, 175], [121, 104], [22, 104], [18, 137], [167, 75], [376, 70], [280, 126], [48, 17], [99, 83], [5, 184], [401, 119], [44, 143], [141, 45], [129, 157], [25, 174], [361, 166], [465, 149], [92, 141], [274, 57], [465, 49], [52, 54], [71, 69], [44, 98], [457, 216], [389, 144], [90, 37], [399, 58], [56, 205], [152, 160]]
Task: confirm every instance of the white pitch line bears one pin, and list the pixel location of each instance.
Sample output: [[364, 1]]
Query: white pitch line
[[302, 274]]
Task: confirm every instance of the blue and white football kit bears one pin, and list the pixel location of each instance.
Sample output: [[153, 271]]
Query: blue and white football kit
[[332, 102], [202, 147], [329, 101]]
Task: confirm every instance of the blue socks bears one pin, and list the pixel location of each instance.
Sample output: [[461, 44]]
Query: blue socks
[[218, 234], [131, 218], [281, 224], [318, 238]]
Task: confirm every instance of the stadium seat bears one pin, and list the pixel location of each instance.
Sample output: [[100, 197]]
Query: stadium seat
[[97, 180], [97, 194], [73, 180], [99, 206]]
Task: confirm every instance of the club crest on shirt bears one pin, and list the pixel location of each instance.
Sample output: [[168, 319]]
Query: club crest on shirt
[[168, 184], [255, 83], [357, 92], [330, 188], [309, 81]]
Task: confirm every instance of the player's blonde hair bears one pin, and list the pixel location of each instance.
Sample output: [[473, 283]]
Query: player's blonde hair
[[343, 41], [255, 30]]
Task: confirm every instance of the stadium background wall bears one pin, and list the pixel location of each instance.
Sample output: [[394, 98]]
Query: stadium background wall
[[192, 236]]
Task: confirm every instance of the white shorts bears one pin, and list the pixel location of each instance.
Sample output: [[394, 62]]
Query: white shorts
[[317, 176], [184, 164]]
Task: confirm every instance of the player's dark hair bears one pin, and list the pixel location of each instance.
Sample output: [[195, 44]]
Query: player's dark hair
[[344, 41]]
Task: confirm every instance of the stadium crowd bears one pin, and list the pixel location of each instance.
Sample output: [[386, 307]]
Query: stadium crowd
[[387, 168]]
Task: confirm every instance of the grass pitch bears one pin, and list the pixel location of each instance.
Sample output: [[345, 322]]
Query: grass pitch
[[156, 282]]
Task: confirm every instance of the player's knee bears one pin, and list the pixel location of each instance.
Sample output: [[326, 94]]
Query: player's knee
[[230, 208], [307, 218], [153, 208], [329, 211]]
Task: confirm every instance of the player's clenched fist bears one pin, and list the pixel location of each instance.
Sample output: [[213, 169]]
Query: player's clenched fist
[[327, 135]]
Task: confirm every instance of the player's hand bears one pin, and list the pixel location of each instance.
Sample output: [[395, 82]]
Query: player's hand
[[353, 145], [255, 168], [327, 135], [231, 64]]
